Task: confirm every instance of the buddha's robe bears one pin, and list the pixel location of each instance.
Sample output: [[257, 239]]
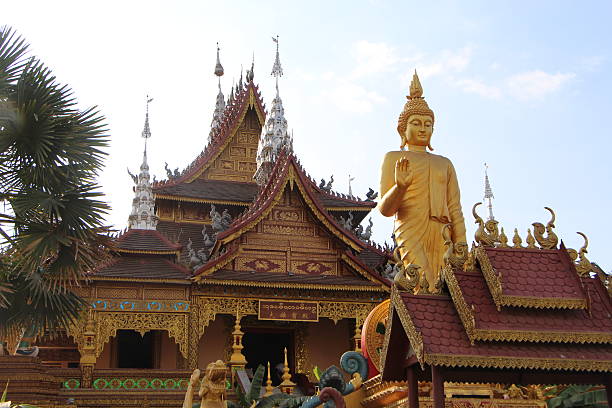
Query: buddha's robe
[[431, 200]]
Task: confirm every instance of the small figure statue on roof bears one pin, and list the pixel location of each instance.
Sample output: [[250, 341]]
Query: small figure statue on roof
[[368, 231], [371, 195], [216, 219], [133, 176], [194, 261], [168, 171], [359, 231], [327, 186], [348, 222], [208, 243], [226, 219], [177, 173]]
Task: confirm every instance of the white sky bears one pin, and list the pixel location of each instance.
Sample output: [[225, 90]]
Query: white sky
[[525, 88]]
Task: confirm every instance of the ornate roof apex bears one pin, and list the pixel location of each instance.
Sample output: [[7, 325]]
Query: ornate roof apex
[[143, 205]]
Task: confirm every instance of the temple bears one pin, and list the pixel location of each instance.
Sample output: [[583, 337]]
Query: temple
[[242, 260]]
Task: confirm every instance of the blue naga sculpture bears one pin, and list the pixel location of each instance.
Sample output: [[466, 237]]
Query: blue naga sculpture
[[355, 365]]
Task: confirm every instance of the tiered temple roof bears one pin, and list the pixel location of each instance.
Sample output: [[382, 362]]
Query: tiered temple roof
[[518, 308]]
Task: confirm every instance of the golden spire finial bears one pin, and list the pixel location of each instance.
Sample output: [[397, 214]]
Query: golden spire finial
[[516, 240], [269, 387], [416, 90], [287, 385]]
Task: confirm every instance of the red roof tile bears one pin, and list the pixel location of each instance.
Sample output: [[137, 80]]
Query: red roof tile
[[531, 277], [213, 190], [138, 240], [446, 343], [593, 325], [149, 267]]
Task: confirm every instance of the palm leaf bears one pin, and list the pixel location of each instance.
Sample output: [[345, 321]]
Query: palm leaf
[[3, 399], [256, 383], [273, 400]]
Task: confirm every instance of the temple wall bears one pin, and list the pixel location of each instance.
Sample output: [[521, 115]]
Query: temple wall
[[168, 352], [327, 341], [212, 343], [104, 360]]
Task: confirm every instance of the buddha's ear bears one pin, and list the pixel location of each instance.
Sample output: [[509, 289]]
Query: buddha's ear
[[404, 143], [429, 147]]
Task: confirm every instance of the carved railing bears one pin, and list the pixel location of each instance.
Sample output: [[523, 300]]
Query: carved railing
[[132, 380]]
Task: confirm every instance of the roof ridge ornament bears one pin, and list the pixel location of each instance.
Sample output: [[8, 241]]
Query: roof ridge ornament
[[275, 137], [220, 104], [143, 205], [488, 193]]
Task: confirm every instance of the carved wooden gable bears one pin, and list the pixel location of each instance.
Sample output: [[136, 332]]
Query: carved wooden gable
[[237, 162], [290, 240]]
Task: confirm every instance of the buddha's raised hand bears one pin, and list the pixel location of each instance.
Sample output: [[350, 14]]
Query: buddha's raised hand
[[403, 173]]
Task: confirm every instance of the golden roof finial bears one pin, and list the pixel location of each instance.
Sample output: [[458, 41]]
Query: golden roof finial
[[416, 90], [503, 239], [530, 239], [516, 240]]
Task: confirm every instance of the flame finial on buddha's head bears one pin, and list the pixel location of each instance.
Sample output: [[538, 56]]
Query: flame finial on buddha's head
[[416, 105]]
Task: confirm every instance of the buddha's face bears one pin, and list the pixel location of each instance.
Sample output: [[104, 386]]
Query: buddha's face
[[419, 129]]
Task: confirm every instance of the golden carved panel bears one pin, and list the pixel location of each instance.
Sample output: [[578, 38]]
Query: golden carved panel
[[314, 267], [165, 293], [287, 229], [337, 311], [287, 214], [118, 293], [238, 151], [107, 324], [260, 264]]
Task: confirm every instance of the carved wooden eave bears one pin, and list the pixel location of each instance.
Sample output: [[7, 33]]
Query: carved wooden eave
[[249, 97]]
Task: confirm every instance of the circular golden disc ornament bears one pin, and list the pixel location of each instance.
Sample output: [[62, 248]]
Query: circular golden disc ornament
[[372, 336]]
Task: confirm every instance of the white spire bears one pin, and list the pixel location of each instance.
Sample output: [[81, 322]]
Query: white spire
[[220, 104], [143, 205], [274, 135], [488, 194]]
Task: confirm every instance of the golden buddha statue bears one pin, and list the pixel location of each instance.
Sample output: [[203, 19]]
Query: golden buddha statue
[[421, 190]]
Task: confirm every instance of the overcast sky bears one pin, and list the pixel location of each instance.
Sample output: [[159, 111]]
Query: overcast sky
[[524, 86]]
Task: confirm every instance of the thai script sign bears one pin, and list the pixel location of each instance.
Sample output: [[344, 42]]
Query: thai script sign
[[289, 310]]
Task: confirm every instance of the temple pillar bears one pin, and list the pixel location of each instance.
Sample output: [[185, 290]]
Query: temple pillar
[[413, 387], [237, 359], [437, 383], [88, 352], [357, 337], [193, 341]]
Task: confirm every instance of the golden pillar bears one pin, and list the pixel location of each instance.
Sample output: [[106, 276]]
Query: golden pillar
[[357, 336], [237, 359], [88, 356]]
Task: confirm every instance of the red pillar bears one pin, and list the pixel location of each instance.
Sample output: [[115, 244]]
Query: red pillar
[[413, 387], [437, 383]]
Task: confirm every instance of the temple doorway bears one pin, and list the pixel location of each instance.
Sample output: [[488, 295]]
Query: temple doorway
[[263, 345], [136, 351]]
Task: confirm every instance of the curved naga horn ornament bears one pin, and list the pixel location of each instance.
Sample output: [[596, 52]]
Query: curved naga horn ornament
[[486, 234], [551, 223], [583, 265], [551, 240]]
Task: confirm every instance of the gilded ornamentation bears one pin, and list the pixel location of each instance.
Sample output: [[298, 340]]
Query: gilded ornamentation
[[503, 239], [261, 265], [407, 278], [314, 268], [487, 233], [109, 322], [414, 336], [139, 305], [516, 240], [583, 265], [551, 240], [470, 262], [456, 254], [337, 311], [530, 239]]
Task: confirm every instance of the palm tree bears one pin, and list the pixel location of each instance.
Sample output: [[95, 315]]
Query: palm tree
[[51, 221]]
